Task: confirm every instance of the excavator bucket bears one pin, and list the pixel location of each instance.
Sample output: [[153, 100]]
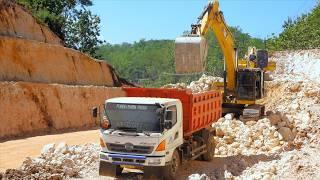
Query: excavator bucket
[[190, 54]]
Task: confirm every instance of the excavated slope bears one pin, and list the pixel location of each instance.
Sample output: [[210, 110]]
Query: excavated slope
[[25, 60], [45, 87], [15, 21], [30, 108]]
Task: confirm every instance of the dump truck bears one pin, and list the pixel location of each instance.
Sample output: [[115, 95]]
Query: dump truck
[[157, 129]]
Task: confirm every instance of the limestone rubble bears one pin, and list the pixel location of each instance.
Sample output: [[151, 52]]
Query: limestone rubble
[[291, 129], [205, 83], [58, 162]]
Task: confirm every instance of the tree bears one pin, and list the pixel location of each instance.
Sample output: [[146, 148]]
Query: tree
[[70, 20], [300, 33], [82, 31]]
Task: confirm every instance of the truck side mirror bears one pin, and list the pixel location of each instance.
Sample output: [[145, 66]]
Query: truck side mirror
[[160, 111], [169, 115], [167, 124], [94, 112], [168, 119]]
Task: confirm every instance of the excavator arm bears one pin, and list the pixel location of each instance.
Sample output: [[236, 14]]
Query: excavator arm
[[212, 19], [244, 79]]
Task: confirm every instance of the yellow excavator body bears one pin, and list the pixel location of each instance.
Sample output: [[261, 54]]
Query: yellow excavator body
[[244, 78]]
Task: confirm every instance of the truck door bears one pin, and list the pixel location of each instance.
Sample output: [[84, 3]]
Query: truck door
[[174, 138]]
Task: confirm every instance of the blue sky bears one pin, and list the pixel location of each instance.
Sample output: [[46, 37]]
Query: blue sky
[[132, 20]]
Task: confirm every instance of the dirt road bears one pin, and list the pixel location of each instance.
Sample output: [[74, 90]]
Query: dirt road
[[13, 152]]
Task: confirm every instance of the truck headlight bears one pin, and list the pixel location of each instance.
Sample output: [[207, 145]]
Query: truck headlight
[[154, 161], [103, 156]]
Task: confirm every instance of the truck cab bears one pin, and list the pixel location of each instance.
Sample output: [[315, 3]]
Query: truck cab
[[157, 129], [142, 131]]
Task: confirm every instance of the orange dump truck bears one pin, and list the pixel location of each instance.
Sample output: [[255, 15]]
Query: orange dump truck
[[157, 129]]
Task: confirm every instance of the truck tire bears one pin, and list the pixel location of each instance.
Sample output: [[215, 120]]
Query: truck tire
[[171, 170], [211, 146], [108, 169]]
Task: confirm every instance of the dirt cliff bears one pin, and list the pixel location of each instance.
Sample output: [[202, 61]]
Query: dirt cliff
[[45, 87], [15, 21], [25, 60], [28, 108]]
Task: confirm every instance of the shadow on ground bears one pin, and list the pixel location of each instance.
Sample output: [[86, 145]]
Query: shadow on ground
[[214, 169]]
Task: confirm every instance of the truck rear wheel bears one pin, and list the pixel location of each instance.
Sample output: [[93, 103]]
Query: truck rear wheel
[[171, 170], [108, 169], [211, 146]]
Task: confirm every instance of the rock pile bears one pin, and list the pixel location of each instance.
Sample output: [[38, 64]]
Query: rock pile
[[175, 86], [198, 177], [266, 135], [295, 164], [295, 95], [298, 100], [58, 162], [205, 83]]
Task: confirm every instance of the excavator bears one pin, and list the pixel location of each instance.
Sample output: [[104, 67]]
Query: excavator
[[243, 78]]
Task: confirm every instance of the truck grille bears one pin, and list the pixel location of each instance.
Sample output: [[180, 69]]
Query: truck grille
[[132, 149]]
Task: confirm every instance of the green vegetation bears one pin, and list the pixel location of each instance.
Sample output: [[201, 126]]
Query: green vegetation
[[300, 33], [70, 20], [151, 63], [141, 62]]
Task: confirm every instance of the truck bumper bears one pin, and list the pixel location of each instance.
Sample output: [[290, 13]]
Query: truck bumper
[[132, 160]]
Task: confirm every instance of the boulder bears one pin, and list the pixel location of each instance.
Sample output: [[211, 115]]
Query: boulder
[[62, 148], [229, 116], [295, 87], [286, 133], [274, 119], [198, 177], [228, 139], [48, 149]]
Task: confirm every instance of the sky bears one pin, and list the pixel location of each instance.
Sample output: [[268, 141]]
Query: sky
[[133, 20]]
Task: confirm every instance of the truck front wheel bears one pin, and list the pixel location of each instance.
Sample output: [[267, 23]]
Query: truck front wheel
[[171, 170], [108, 169]]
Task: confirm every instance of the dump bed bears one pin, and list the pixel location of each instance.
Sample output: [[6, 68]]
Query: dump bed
[[199, 110]]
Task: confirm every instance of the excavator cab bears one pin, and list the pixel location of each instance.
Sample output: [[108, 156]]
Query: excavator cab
[[250, 84]]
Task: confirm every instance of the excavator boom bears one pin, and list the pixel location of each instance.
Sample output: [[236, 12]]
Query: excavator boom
[[244, 79], [188, 55], [212, 19]]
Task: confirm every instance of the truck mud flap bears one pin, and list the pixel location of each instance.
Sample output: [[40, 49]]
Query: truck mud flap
[[155, 172], [108, 169]]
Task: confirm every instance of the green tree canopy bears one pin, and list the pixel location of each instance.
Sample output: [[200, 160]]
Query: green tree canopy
[[70, 20], [300, 33]]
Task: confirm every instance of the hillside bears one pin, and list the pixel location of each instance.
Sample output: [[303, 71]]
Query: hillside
[[300, 33], [41, 81]]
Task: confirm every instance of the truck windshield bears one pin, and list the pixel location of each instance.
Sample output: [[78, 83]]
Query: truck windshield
[[133, 117]]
